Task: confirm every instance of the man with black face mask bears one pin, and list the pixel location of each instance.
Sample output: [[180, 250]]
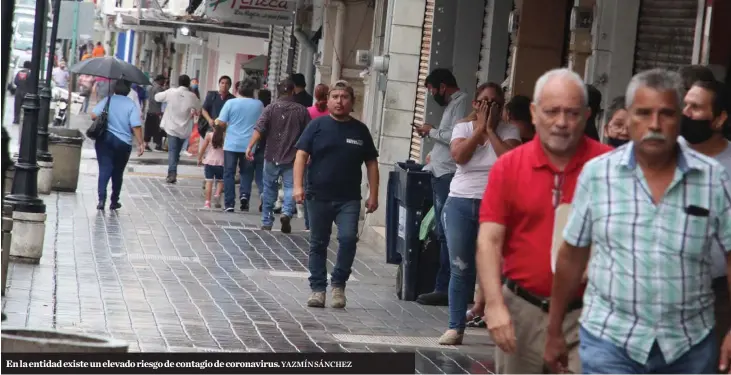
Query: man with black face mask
[[706, 110], [443, 87]]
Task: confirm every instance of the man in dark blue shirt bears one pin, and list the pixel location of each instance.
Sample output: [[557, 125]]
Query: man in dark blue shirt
[[336, 147], [213, 103]]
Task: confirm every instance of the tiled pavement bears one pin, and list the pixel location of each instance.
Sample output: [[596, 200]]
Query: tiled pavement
[[165, 275]]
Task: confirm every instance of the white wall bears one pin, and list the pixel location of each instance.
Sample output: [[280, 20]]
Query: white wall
[[237, 44]]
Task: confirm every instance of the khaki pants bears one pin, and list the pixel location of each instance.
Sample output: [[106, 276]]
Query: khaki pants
[[723, 310], [530, 324]]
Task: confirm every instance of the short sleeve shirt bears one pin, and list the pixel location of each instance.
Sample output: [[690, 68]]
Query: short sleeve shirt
[[123, 116], [520, 195], [470, 179], [337, 152], [240, 115]]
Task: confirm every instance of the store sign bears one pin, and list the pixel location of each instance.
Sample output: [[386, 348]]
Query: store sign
[[263, 12]]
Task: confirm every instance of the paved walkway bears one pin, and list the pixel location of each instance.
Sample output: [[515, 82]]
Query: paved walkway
[[166, 275]]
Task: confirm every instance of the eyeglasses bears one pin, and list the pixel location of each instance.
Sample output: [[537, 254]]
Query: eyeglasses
[[557, 189]]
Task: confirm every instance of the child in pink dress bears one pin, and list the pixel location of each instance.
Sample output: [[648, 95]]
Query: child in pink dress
[[213, 163]]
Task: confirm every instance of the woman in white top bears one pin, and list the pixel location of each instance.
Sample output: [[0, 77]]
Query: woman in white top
[[476, 144]]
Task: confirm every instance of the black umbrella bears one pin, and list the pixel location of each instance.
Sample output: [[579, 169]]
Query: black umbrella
[[112, 68]]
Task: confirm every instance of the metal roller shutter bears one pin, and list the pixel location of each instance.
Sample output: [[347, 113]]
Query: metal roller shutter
[[421, 91], [277, 55], [665, 34]]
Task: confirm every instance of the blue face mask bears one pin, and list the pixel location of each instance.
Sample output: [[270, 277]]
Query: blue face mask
[[194, 87]]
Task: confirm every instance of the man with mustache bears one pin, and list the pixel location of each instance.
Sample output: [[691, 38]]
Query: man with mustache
[[517, 219], [650, 212], [706, 110]]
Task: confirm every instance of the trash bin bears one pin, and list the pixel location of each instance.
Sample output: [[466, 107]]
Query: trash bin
[[409, 199], [65, 146], [25, 340]]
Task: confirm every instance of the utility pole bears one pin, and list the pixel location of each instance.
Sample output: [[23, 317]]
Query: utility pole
[[45, 159], [24, 195]]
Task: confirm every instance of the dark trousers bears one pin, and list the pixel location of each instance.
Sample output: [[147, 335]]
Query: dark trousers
[[152, 128], [322, 216], [18, 110], [112, 155], [440, 190]]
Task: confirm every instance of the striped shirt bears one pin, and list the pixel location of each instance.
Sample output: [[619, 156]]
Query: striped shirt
[[649, 273]]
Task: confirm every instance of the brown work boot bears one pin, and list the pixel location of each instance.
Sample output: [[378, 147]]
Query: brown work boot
[[338, 298], [317, 299]]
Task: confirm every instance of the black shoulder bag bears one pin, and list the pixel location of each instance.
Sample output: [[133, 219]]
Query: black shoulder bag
[[98, 128]]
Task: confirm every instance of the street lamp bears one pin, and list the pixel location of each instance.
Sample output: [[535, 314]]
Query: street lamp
[[45, 94], [24, 194]]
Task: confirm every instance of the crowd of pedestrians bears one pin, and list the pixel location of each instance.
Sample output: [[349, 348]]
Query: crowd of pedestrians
[[590, 257]]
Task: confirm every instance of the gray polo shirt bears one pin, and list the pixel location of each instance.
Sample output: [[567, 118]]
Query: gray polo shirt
[[441, 162]]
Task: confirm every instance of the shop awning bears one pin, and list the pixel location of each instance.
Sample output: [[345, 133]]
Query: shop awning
[[159, 21], [257, 63]]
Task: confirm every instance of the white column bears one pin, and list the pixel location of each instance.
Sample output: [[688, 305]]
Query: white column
[[614, 35]]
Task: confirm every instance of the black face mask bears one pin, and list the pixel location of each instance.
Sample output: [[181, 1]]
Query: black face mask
[[695, 131], [440, 99], [616, 142]]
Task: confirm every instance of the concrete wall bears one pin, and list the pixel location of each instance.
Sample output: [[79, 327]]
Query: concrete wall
[[403, 44]]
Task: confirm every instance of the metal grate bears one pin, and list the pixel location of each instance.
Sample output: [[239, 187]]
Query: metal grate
[[425, 342], [421, 92]]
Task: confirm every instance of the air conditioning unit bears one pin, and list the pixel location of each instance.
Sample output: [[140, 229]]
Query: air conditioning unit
[[363, 57]]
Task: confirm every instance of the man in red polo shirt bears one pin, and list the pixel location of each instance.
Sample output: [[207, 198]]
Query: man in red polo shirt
[[516, 224]]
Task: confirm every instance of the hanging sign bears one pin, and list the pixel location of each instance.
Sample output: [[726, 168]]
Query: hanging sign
[[262, 12]]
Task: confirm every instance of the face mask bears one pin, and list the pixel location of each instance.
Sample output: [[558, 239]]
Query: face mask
[[616, 142], [194, 87], [695, 131], [440, 99]]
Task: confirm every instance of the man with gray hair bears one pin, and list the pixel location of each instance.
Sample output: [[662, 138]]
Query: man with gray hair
[[517, 224], [650, 212]]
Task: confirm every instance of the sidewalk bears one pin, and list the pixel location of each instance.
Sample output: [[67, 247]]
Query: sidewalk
[[166, 275]]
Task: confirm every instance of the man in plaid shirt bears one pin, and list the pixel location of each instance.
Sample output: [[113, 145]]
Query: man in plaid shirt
[[650, 210]]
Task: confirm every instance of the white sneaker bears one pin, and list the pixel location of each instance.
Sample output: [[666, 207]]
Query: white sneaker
[[188, 154]]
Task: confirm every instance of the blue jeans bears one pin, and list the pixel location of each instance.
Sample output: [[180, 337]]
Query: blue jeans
[[232, 159], [175, 145], [254, 173], [112, 155], [440, 190], [272, 172], [599, 356], [460, 220], [323, 214], [185, 145]]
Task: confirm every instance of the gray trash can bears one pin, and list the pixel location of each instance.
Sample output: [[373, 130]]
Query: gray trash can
[[25, 340], [65, 146]]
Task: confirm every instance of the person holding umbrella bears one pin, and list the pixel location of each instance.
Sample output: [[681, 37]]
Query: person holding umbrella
[[123, 121], [114, 148]]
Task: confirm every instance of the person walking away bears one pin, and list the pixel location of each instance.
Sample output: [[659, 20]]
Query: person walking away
[[177, 120], [300, 93], [337, 146], [706, 111], [21, 88], [154, 115], [517, 113], [475, 146], [649, 302], [238, 116], [265, 97], [213, 164], [60, 75], [320, 107], [616, 132], [443, 87], [282, 122], [114, 149], [98, 50], [524, 189]]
